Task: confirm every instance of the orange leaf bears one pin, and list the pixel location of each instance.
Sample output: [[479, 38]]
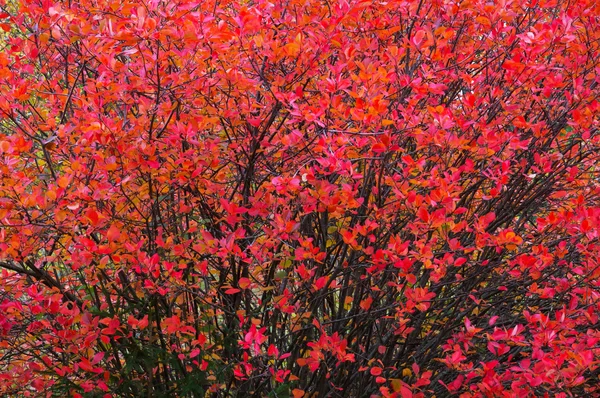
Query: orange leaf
[[366, 303], [113, 233], [297, 393]]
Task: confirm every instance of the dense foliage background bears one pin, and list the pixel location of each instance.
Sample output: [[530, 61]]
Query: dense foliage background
[[299, 198]]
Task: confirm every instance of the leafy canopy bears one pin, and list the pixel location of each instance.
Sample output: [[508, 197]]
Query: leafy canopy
[[299, 198]]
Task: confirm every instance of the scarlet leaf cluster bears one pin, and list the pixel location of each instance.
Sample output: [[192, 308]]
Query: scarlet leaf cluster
[[299, 198]]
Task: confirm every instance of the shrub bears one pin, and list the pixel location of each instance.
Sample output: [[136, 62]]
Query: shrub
[[299, 198]]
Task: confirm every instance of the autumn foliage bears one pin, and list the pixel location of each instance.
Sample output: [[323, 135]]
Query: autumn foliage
[[299, 198]]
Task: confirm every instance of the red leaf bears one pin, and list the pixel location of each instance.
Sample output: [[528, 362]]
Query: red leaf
[[244, 283], [376, 371], [423, 214], [379, 147], [460, 261]]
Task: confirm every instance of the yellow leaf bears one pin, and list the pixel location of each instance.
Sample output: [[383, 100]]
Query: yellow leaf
[[396, 384]]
